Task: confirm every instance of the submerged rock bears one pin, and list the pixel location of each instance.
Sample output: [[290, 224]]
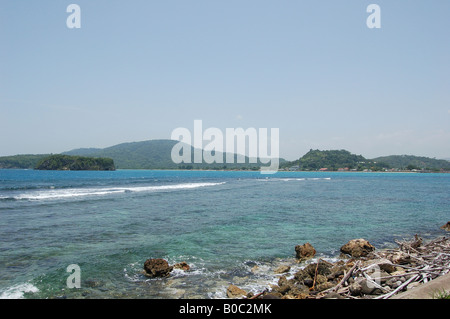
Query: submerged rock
[[282, 269], [183, 266], [157, 267], [357, 248]]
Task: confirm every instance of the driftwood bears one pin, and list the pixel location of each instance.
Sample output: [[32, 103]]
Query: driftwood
[[383, 273], [420, 263]]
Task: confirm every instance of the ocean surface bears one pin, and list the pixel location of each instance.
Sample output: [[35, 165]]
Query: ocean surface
[[230, 227]]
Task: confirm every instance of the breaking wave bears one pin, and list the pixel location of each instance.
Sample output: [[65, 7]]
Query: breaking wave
[[49, 194]]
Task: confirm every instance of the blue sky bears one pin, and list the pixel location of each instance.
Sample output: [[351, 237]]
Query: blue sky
[[136, 70]]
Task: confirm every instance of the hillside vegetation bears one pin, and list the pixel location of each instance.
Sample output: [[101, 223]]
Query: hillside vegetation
[[75, 163], [156, 154], [334, 160], [414, 162]]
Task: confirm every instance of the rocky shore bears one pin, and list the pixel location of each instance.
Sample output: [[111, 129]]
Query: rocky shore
[[362, 271]]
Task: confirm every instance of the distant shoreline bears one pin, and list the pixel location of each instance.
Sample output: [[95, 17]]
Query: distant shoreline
[[230, 170]]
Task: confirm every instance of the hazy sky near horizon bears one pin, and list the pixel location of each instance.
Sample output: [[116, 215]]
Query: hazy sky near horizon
[[137, 70]]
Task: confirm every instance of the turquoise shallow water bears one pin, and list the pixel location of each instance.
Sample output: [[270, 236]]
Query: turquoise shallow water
[[221, 223]]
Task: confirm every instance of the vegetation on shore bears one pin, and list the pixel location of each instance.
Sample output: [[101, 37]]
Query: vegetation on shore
[[410, 162], [75, 163], [342, 160], [333, 160], [156, 154]]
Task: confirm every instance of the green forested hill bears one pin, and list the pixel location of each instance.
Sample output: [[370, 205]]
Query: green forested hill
[[155, 154], [414, 162], [75, 163], [333, 160]]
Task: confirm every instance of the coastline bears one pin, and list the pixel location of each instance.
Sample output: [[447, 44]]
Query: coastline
[[376, 274]]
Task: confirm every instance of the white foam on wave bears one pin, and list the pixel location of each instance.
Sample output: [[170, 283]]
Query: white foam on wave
[[289, 179], [81, 192], [18, 291]]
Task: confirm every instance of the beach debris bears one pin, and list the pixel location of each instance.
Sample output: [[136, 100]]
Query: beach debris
[[378, 274], [157, 267], [357, 248], [304, 252]]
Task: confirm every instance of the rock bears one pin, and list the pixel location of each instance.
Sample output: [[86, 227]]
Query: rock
[[357, 248], [324, 286], [355, 289], [301, 275], [362, 287], [235, 292], [302, 296], [417, 242], [308, 282], [446, 226], [413, 285], [282, 269], [382, 263], [398, 271], [157, 267], [304, 252], [323, 269], [321, 279], [282, 281], [297, 288], [383, 274], [183, 266], [367, 288], [396, 284], [333, 295], [272, 295], [284, 289], [91, 283]]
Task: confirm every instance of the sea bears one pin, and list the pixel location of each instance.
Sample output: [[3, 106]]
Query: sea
[[230, 227]]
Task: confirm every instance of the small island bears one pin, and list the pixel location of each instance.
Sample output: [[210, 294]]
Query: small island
[[75, 163]]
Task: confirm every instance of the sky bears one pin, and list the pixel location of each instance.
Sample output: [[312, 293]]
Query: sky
[[137, 70]]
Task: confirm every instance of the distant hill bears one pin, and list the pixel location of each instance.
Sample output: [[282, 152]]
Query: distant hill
[[153, 154], [414, 162], [333, 160], [341, 159], [75, 163], [156, 154]]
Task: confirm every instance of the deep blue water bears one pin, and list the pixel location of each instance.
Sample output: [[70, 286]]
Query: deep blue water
[[222, 224]]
